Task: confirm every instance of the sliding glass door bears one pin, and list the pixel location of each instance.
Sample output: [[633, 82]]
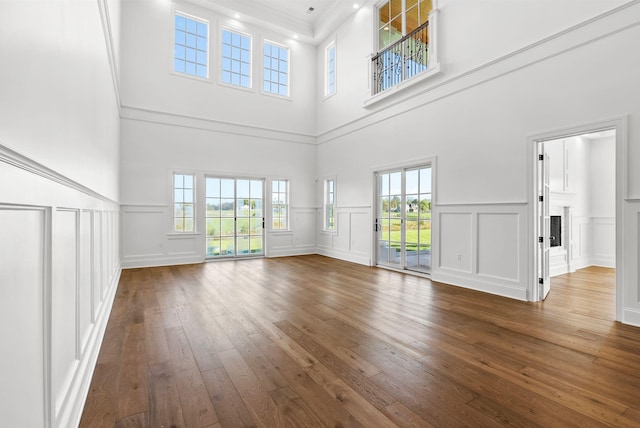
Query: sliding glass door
[[235, 217], [403, 220]]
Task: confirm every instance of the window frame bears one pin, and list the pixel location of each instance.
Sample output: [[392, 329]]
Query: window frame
[[327, 226], [221, 57], [174, 202], [186, 15], [266, 42], [328, 71], [287, 216]]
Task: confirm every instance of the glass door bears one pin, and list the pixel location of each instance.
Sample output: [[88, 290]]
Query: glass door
[[235, 217], [403, 221]]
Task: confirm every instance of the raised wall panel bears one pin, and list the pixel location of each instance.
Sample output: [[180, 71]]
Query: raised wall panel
[[455, 241], [280, 241], [341, 240], [142, 232], [64, 298], [85, 280], [604, 242], [304, 227], [498, 245], [99, 288], [360, 239], [22, 285]]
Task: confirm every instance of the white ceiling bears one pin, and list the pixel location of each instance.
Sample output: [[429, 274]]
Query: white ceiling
[[289, 16]]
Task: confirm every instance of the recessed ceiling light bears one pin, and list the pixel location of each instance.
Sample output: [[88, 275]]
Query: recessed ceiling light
[[356, 5], [236, 16], [311, 9], [295, 36]]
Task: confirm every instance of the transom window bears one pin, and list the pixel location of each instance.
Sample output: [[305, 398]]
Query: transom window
[[236, 58], [183, 202], [191, 46], [276, 69], [280, 204]]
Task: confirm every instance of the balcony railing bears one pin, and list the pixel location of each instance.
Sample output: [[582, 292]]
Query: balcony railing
[[401, 60]]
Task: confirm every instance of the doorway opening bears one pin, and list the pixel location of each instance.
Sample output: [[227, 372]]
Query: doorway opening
[[577, 204]]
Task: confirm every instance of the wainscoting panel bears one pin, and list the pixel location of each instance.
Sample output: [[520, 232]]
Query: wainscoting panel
[[64, 301], [59, 272], [85, 279], [499, 245], [22, 301], [352, 239], [455, 249], [483, 247], [604, 241]]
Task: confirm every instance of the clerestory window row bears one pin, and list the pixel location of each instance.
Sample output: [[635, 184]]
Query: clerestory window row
[[191, 56]]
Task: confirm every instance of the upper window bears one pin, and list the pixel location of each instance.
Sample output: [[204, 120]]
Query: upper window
[[280, 204], [329, 204], [276, 69], [403, 42], [330, 69], [191, 45], [183, 202], [236, 59]]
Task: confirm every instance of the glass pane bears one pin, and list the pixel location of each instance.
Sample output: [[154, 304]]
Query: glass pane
[[255, 244], [227, 226], [243, 245], [395, 183], [178, 195], [425, 180], [242, 188], [213, 247], [242, 226], [188, 224], [412, 19], [226, 207], [256, 226], [256, 208], [384, 14], [256, 189], [227, 188], [227, 247], [178, 224], [213, 187]]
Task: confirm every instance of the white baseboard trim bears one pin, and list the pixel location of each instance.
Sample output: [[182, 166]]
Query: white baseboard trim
[[631, 316], [475, 282], [289, 252], [155, 261], [361, 259], [78, 396]]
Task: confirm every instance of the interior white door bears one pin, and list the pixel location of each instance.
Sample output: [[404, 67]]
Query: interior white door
[[544, 225]]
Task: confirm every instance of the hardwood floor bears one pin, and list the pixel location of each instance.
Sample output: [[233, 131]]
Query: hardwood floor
[[316, 342]]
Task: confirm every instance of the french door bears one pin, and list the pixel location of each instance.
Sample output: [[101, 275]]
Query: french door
[[235, 217], [403, 219]]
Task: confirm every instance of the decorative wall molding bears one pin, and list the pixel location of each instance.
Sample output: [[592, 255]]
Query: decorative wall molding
[[212, 125], [18, 160], [105, 18]]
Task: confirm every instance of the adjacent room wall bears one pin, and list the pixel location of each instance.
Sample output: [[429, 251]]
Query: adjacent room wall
[[59, 154], [477, 122]]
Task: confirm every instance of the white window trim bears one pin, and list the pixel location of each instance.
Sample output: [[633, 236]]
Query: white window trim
[[271, 94], [173, 45], [251, 87], [326, 94]]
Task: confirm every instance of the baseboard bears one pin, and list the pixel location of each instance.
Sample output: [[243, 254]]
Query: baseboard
[[151, 261], [631, 316], [474, 282], [361, 259]]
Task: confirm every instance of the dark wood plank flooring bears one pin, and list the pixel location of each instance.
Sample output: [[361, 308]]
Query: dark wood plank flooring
[[315, 342]]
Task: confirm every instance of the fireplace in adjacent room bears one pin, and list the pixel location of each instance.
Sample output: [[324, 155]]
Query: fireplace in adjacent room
[[555, 234]]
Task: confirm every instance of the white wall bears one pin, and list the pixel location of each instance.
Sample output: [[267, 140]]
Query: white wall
[[148, 81], [477, 122], [59, 154], [151, 152]]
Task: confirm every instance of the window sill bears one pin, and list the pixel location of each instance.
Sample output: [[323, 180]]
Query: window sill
[[329, 232], [182, 235], [402, 86]]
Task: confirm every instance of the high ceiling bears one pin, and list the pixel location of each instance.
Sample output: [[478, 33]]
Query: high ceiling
[[289, 16]]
